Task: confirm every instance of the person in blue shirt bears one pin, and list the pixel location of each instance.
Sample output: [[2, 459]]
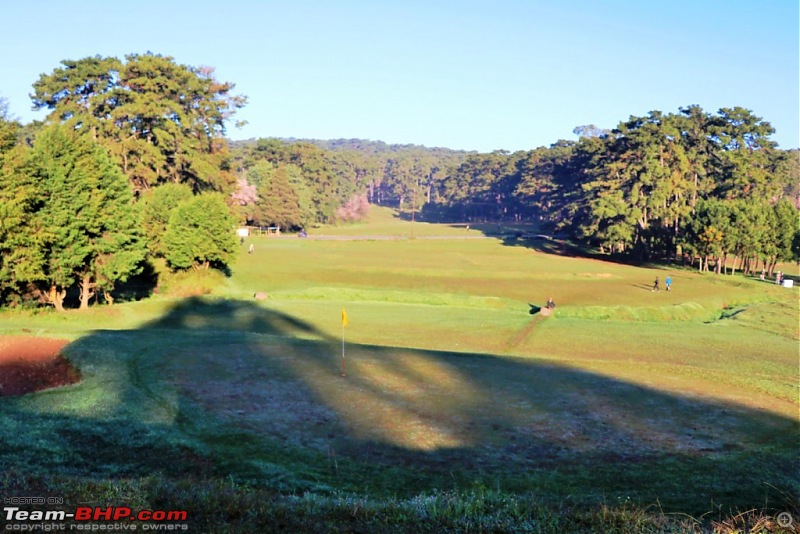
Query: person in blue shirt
[[668, 282]]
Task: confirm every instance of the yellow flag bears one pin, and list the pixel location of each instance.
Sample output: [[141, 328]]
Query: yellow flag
[[344, 317]]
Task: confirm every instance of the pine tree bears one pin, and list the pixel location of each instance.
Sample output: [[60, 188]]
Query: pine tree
[[162, 122], [278, 202]]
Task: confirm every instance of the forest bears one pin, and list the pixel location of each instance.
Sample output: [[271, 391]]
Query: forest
[[133, 165]]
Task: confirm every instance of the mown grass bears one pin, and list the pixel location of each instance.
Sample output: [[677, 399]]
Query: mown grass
[[459, 410]]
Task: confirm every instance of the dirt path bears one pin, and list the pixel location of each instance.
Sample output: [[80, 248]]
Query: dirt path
[[526, 331], [31, 364]]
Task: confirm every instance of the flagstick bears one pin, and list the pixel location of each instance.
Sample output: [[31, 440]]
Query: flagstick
[[343, 366]]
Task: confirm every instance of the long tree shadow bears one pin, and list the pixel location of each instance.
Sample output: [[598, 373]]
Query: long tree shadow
[[561, 245], [231, 389], [544, 240]]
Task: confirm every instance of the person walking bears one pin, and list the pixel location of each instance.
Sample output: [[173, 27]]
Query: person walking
[[656, 286], [668, 282], [251, 249]]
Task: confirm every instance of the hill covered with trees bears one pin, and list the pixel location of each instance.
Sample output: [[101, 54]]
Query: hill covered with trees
[[711, 186]]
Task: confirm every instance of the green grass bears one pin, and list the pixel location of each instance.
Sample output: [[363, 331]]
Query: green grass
[[459, 410], [381, 223]]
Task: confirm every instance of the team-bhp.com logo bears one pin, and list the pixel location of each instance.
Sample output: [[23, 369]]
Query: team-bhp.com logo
[[17, 519]]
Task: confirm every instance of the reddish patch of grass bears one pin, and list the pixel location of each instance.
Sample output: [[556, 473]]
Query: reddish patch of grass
[[29, 364]]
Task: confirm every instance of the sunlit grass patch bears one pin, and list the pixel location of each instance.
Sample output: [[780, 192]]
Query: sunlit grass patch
[[688, 311], [366, 295], [777, 317]]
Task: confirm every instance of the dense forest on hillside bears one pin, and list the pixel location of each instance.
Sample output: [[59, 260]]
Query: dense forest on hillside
[[333, 181], [713, 186], [133, 165]]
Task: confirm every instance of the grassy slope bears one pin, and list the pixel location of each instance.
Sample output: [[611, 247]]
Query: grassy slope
[[472, 296], [624, 393]]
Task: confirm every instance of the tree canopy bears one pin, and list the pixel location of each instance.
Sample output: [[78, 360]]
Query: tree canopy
[[162, 121], [71, 218], [200, 233]]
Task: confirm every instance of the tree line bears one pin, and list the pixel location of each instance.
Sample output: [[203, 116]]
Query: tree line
[[132, 165], [707, 185]]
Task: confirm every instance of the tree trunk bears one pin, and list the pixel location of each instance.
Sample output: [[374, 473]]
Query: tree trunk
[[735, 259], [725, 263], [86, 291], [56, 298]]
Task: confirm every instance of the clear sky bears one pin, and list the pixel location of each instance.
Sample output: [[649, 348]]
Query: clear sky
[[473, 75]]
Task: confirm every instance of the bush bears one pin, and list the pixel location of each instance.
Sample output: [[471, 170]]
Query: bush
[[200, 233]]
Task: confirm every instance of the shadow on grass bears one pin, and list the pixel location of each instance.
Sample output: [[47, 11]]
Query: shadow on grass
[[228, 389], [646, 287], [538, 238]]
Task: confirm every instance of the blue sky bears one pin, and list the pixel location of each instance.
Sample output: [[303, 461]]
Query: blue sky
[[473, 75]]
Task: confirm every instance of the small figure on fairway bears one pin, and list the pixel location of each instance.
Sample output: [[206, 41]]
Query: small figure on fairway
[[763, 274], [251, 249], [668, 282], [550, 304], [778, 278], [656, 286]]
